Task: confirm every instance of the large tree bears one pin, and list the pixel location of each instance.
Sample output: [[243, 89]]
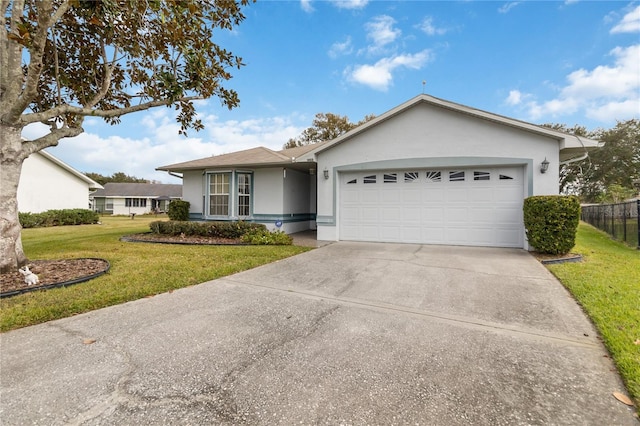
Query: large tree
[[63, 60], [610, 172], [325, 126]]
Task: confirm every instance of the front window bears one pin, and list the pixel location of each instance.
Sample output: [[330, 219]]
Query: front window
[[135, 202], [244, 194], [219, 194]]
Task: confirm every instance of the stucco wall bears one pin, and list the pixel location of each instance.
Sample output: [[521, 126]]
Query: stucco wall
[[436, 137], [192, 190], [268, 191], [46, 186]]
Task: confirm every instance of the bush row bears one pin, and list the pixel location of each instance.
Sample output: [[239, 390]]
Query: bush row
[[205, 229], [551, 222], [58, 218], [265, 237]]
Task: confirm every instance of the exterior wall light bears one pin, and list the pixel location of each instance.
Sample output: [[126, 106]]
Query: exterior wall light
[[544, 166], [326, 173]]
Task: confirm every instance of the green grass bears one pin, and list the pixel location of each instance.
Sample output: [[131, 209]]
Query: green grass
[[607, 285], [137, 269]]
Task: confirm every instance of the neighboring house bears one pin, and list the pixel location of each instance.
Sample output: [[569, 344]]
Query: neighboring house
[[135, 198], [429, 171], [47, 183]]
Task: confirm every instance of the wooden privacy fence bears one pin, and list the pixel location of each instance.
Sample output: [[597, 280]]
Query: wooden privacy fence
[[620, 220]]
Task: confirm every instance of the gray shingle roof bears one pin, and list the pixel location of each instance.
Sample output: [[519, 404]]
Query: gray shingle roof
[[259, 156], [139, 190]]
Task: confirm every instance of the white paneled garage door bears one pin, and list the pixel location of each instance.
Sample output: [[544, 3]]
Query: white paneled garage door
[[471, 206]]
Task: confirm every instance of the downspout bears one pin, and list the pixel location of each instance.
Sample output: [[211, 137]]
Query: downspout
[[573, 160]]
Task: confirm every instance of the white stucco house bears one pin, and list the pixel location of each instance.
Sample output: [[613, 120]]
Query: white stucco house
[[135, 198], [429, 171], [47, 183]]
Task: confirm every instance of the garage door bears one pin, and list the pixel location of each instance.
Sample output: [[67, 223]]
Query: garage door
[[478, 207]]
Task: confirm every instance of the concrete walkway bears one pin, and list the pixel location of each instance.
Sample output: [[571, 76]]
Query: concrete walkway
[[349, 333]]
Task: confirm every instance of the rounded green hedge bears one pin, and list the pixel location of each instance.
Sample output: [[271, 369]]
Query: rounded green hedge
[[551, 222], [178, 210]]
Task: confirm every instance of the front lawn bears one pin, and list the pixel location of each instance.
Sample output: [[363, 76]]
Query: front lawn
[[607, 285], [137, 269]]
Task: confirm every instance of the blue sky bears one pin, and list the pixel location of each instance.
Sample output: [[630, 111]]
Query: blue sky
[[572, 62]]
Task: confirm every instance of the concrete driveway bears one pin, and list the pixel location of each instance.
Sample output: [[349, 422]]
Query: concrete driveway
[[350, 333]]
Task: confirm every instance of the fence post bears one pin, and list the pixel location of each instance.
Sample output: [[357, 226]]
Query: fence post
[[624, 221], [638, 219], [613, 223]]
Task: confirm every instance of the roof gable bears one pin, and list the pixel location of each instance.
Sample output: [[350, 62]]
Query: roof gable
[[92, 183], [569, 145]]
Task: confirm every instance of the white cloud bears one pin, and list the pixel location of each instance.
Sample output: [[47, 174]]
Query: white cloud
[[350, 4], [505, 8], [514, 98], [340, 49], [306, 6], [630, 23], [381, 32], [379, 75], [606, 93], [427, 27], [90, 152]]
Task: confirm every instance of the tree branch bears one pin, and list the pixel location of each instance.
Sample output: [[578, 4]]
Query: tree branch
[[88, 112], [50, 139], [106, 81], [46, 19]]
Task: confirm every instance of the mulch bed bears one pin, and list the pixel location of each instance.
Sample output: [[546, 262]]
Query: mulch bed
[[52, 273]]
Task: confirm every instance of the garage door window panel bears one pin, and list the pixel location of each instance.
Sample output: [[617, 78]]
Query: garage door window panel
[[390, 178], [410, 177], [369, 179], [434, 176], [481, 175], [456, 176]]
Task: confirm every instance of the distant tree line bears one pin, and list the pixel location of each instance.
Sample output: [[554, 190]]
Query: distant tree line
[[118, 177]]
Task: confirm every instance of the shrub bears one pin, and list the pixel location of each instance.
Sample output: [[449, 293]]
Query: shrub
[[204, 229], [58, 218], [264, 237], [178, 210], [551, 222]]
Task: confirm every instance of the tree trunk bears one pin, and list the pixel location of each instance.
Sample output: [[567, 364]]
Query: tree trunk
[[11, 157]]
